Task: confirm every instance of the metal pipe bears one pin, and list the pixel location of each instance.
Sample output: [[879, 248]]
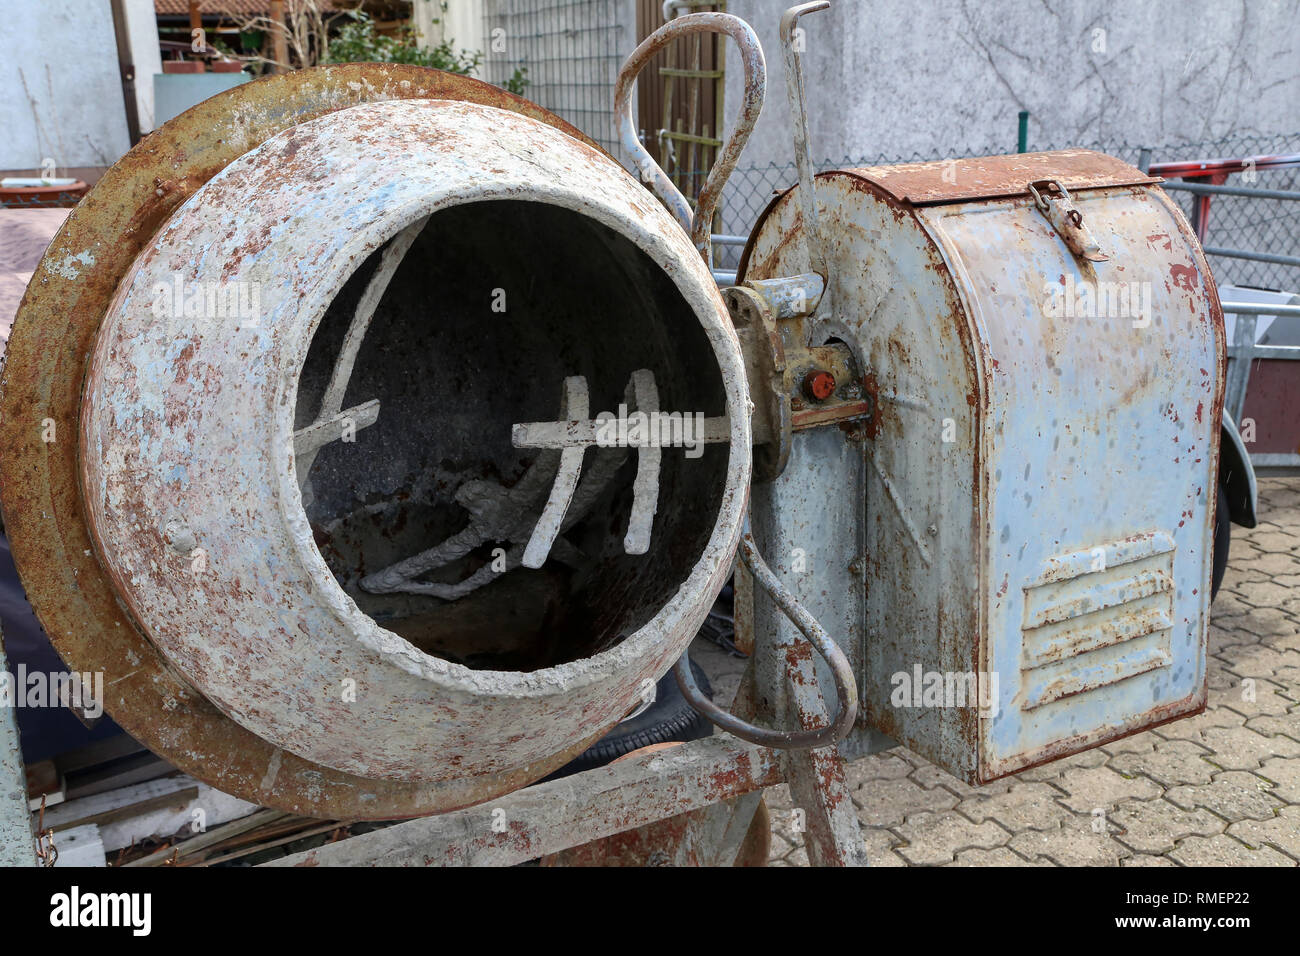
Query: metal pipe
[[1204, 189], [1288, 353], [846, 687], [1259, 308], [1253, 256]]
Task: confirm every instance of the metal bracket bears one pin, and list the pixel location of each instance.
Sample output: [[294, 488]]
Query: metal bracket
[[794, 87]]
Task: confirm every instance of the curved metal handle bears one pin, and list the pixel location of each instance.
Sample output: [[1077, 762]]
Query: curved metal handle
[[845, 685], [699, 224]]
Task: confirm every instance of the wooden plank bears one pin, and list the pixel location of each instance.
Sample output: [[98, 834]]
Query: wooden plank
[[74, 810], [80, 847], [203, 840], [553, 816], [688, 137], [697, 74], [177, 798], [302, 835]]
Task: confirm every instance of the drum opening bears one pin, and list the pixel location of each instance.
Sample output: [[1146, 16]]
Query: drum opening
[[423, 515]]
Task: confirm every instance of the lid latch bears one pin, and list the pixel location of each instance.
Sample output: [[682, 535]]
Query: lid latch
[[1066, 219]]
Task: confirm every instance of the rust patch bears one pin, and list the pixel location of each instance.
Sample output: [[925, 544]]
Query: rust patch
[[991, 177]]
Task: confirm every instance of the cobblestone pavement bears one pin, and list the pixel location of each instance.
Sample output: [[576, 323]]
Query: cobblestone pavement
[[1219, 788]]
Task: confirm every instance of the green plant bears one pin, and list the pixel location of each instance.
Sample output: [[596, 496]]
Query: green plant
[[518, 82], [358, 42]]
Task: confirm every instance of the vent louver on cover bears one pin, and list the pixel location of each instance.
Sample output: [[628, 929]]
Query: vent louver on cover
[[1096, 617]]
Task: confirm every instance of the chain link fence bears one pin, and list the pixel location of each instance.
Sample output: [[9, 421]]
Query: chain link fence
[[1254, 224], [568, 53]]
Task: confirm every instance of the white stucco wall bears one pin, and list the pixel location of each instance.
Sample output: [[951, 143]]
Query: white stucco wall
[[60, 95], [896, 77], [458, 22]]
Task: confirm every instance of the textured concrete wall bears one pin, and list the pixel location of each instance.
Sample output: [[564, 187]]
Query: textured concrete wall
[[892, 78], [60, 96]]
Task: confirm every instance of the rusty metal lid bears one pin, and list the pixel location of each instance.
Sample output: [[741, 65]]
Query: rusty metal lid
[[998, 177]]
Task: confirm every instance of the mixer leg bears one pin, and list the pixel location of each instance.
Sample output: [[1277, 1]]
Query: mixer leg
[[817, 785], [816, 777]]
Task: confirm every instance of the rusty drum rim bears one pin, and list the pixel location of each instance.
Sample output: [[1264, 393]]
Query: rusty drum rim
[[619, 204], [55, 327]]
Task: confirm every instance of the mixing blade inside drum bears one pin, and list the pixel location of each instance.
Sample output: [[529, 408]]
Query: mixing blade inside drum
[[419, 500]]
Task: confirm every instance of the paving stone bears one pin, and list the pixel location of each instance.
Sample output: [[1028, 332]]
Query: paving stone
[[1221, 850], [1089, 788], [1155, 826], [1191, 728], [1261, 661], [1251, 699], [1276, 542], [934, 838], [1075, 843], [886, 803], [1219, 677], [1282, 832], [1229, 605], [1142, 743], [1194, 792], [1260, 621], [1172, 762], [1285, 725], [1027, 806], [1285, 775], [1233, 794], [1238, 748], [929, 776], [1087, 760], [1146, 859], [998, 856], [1224, 639], [902, 753], [885, 766], [880, 844]]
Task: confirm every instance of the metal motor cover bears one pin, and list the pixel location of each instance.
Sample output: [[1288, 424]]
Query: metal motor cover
[[1037, 491]]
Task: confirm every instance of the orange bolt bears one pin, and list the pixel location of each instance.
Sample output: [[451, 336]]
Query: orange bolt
[[818, 384]]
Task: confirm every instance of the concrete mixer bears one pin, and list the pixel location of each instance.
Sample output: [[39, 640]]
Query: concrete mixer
[[380, 438]]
